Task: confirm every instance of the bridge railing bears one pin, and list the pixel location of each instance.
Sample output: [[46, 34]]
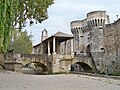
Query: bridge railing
[[36, 57]]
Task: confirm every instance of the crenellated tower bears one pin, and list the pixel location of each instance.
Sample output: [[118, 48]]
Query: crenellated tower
[[76, 29], [81, 29], [97, 18]]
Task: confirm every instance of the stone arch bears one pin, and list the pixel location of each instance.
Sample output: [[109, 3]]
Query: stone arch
[[36, 66], [81, 67]]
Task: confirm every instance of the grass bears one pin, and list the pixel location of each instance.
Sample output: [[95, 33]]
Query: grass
[[115, 74]]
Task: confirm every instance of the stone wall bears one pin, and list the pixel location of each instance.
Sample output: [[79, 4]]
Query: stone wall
[[112, 47], [106, 48]]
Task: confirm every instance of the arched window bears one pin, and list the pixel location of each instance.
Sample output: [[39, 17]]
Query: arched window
[[76, 28], [92, 22], [95, 22]]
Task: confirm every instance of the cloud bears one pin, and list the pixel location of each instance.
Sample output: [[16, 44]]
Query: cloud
[[64, 11]]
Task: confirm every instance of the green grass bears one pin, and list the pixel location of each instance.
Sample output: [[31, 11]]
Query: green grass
[[115, 74]]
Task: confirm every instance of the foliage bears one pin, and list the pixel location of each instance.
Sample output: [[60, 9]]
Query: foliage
[[15, 12], [20, 42]]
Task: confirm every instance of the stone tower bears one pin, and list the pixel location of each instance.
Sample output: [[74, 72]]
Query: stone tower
[[81, 29], [44, 35], [76, 29], [97, 18]]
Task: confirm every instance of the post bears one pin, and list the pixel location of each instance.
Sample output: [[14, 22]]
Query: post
[[65, 49], [54, 45], [48, 47]]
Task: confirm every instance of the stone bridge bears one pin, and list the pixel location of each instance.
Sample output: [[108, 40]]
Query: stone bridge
[[42, 60], [52, 63], [86, 62], [15, 62]]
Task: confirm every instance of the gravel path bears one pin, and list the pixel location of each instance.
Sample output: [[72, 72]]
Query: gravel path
[[15, 81]]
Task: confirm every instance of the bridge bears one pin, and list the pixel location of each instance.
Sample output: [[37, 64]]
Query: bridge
[[85, 62], [51, 63]]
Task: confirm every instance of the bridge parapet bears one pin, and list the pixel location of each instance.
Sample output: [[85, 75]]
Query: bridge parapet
[[34, 57]]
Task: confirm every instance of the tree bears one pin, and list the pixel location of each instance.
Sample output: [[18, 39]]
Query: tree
[[13, 14], [20, 42]]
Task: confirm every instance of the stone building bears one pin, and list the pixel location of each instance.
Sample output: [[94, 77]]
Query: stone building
[[94, 46], [81, 29], [95, 35]]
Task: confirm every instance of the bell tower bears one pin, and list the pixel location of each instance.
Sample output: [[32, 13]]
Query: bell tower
[[44, 35]]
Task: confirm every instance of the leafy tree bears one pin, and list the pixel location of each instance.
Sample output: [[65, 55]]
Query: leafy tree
[[13, 14], [20, 42]]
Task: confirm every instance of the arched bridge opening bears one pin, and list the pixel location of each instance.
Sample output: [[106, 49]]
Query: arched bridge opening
[[35, 68], [81, 67]]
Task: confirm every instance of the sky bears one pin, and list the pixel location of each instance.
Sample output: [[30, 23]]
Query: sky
[[64, 11]]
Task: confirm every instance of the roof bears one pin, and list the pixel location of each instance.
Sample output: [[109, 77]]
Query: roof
[[60, 36]]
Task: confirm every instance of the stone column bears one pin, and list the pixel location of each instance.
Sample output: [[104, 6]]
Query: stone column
[[65, 49], [48, 47], [54, 45]]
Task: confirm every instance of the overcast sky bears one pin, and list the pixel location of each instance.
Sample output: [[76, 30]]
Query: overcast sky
[[64, 11]]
